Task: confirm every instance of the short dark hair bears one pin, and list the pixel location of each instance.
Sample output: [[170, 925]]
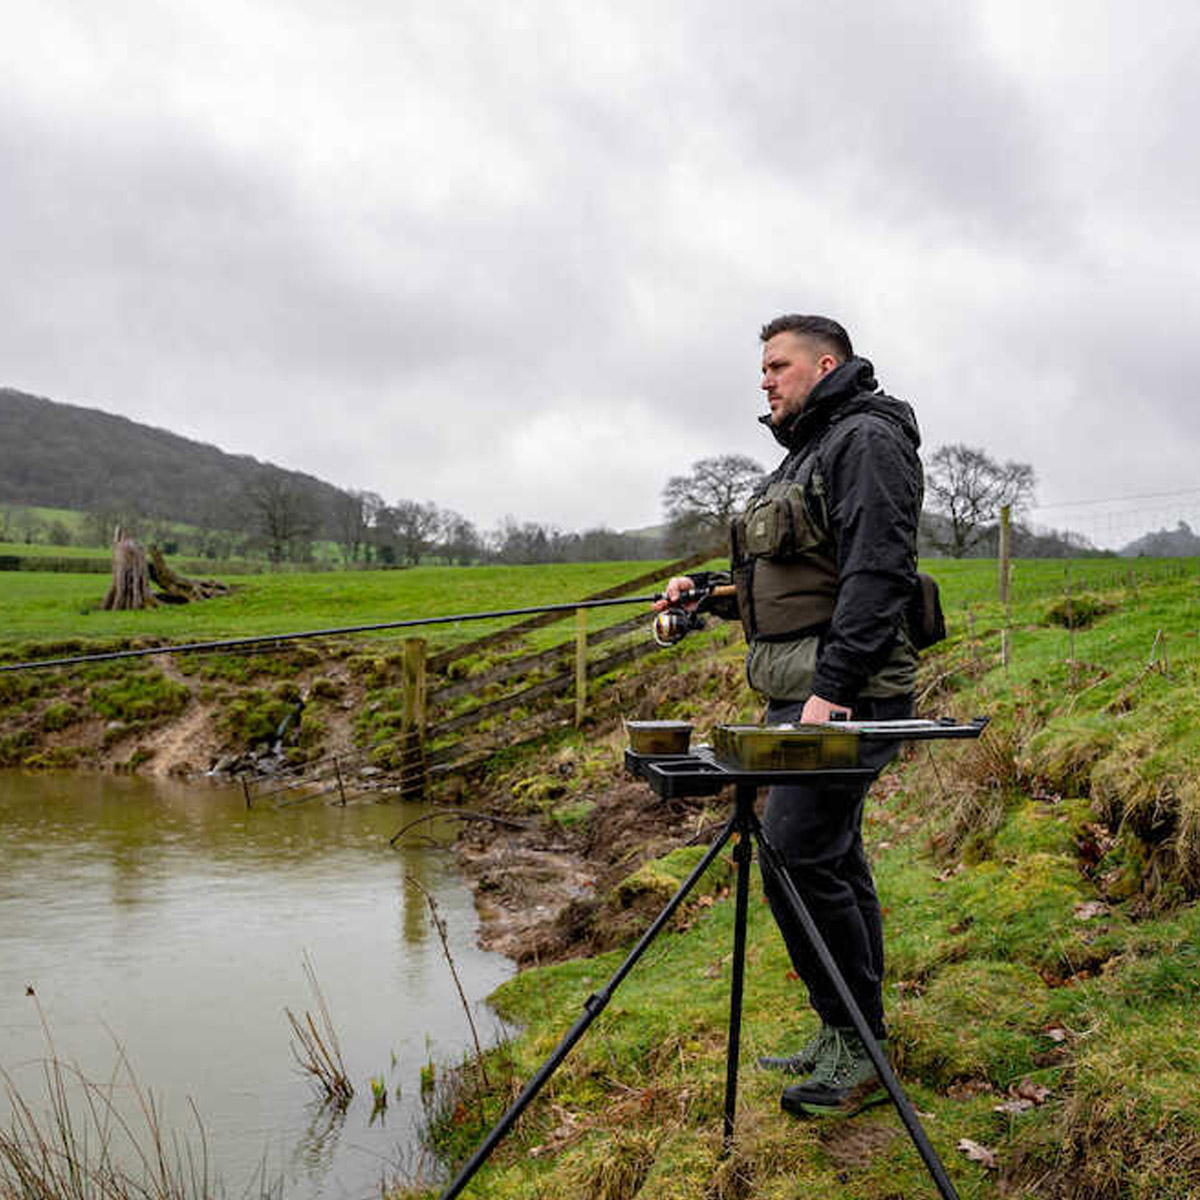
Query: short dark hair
[[823, 330]]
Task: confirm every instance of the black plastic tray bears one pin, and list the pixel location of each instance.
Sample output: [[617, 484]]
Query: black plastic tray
[[699, 774]]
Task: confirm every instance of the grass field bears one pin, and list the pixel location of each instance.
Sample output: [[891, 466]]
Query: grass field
[[1043, 935], [50, 609], [63, 607]]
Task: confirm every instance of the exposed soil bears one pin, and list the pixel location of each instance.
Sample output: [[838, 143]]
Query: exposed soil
[[545, 894], [184, 747]]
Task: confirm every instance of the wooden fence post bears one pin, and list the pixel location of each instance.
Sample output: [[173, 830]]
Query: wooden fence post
[[337, 770], [1071, 633], [1005, 543], [412, 782], [580, 666]]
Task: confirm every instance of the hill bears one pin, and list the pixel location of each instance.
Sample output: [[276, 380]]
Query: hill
[[66, 456], [1179, 542]]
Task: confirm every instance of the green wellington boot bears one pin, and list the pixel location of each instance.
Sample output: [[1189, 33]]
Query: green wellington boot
[[843, 1082], [804, 1061]]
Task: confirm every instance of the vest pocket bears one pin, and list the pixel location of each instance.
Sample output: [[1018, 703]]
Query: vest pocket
[[779, 526]]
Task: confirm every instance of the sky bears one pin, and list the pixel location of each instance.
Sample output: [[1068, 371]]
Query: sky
[[514, 258]]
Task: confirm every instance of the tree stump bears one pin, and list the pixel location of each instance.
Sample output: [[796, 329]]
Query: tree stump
[[178, 589], [130, 587]]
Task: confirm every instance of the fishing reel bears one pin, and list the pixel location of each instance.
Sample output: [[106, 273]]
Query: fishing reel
[[672, 625]]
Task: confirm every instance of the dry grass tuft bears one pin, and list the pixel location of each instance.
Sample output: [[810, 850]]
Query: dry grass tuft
[[619, 1169], [319, 1054], [1186, 843], [100, 1141]]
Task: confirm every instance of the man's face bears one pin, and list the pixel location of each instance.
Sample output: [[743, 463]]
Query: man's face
[[791, 368]]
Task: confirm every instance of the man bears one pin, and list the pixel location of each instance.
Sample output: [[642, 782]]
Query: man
[[824, 560]]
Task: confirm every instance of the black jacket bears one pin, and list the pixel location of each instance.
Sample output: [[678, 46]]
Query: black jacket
[[865, 444]]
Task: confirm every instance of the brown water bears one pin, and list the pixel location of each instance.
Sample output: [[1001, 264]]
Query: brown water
[[169, 920]]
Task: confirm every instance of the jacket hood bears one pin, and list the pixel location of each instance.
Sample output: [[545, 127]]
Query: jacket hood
[[849, 388]]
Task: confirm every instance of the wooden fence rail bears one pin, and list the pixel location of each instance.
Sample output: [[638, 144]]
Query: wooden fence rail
[[517, 700], [435, 741]]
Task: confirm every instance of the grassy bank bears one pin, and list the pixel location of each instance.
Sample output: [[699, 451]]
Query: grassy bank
[[1039, 890], [119, 713]]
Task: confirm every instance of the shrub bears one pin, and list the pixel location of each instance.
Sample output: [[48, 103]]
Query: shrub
[[1077, 612]]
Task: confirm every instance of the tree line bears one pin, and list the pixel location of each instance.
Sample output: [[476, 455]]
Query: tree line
[[196, 500], [965, 489], [273, 518], [276, 516]]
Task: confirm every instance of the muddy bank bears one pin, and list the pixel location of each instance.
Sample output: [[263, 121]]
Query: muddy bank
[[545, 893]]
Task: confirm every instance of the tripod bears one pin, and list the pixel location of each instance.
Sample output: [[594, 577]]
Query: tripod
[[699, 774]]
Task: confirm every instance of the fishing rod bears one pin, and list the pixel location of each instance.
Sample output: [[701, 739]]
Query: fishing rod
[[670, 626]]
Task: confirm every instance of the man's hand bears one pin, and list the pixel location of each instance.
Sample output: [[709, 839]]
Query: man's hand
[[817, 710], [676, 586]]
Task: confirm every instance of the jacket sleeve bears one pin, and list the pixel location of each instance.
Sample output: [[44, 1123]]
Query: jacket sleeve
[[873, 483]]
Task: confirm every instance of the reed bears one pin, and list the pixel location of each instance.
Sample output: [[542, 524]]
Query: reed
[[316, 1048], [89, 1140]]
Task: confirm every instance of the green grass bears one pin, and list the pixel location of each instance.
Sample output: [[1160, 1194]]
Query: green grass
[[1040, 891], [61, 608], [44, 550]]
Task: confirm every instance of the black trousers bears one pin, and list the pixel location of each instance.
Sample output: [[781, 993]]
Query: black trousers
[[817, 831]]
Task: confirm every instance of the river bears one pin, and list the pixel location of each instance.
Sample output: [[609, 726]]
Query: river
[[168, 920]]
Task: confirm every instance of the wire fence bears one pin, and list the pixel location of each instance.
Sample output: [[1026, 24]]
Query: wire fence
[[967, 583]]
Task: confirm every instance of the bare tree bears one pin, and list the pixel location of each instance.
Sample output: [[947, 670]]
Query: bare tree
[[701, 504], [526, 542], [968, 487], [458, 539], [284, 516], [409, 527], [352, 516]]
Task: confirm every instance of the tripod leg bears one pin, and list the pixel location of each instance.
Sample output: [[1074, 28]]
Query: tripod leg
[[908, 1115], [742, 855], [593, 1006]]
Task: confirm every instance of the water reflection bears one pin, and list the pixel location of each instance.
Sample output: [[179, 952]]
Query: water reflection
[[178, 919]]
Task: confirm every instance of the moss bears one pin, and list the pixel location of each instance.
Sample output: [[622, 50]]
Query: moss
[[574, 814], [253, 718], [1023, 911], [142, 697], [975, 1020], [312, 731], [55, 758], [324, 688], [60, 715]]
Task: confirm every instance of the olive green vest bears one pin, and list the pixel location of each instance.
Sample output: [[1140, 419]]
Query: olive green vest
[[785, 569]]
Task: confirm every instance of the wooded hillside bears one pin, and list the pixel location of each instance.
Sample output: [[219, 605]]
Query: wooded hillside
[[65, 456]]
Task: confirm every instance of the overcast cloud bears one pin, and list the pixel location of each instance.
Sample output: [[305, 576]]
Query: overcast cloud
[[513, 258]]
